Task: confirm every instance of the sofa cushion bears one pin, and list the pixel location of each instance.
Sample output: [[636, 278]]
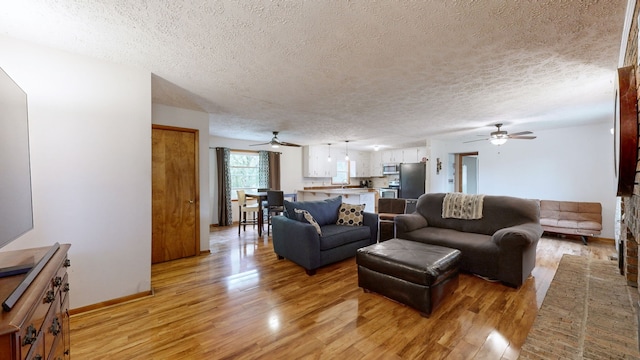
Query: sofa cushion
[[323, 211], [351, 215], [309, 218], [479, 252], [338, 235]]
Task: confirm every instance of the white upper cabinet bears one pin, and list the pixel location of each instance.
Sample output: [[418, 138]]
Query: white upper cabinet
[[406, 155], [376, 163], [363, 164], [393, 156], [315, 161]]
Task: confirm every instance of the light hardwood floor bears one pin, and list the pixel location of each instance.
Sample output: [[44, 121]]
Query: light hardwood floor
[[240, 302]]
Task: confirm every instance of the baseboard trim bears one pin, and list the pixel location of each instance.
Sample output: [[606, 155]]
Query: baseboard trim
[[112, 302]]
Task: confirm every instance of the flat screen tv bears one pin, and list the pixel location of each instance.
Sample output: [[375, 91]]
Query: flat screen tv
[[16, 209]]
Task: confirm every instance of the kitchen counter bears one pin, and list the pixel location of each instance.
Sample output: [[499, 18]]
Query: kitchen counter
[[349, 196]]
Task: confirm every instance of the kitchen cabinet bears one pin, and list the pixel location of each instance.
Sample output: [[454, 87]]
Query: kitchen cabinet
[[405, 155], [409, 155], [414, 155], [393, 156], [315, 162], [375, 163]]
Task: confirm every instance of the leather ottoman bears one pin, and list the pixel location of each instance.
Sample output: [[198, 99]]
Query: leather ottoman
[[415, 274]]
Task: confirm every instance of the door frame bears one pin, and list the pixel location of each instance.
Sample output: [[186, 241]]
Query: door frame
[[458, 172], [196, 144]]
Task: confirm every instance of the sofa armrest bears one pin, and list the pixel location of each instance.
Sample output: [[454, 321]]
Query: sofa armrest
[[371, 220], [408, 222], [521, 235], [297, 241]]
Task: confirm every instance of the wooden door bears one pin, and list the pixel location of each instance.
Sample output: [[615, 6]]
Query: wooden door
[[175, 200]]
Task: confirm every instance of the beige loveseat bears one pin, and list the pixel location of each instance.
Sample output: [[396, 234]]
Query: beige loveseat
[[571, 218]]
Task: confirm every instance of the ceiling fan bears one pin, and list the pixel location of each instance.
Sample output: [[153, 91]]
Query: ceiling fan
[[276, 143], [500, 137]]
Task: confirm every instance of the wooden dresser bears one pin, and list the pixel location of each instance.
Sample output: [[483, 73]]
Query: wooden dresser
[[37, 327]]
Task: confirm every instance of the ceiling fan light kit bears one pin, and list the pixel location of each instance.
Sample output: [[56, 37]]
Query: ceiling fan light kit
[[500, 137], [498, 140]]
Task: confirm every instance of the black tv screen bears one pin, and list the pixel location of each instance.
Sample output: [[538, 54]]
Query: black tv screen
[[16, 209]]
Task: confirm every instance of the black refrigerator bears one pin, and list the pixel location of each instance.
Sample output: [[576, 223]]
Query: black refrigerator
[[412, 179]]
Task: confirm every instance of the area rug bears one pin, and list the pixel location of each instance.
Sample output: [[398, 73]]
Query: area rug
[[587, 313]]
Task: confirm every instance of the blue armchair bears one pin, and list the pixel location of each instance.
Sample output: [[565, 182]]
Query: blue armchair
[[295, 239]]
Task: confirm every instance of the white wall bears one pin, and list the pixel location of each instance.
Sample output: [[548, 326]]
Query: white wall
[[172, 116], [90, 134], [570, 164], [291, 178]]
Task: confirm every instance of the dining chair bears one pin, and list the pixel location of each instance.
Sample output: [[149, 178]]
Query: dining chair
[[388, 209], [275, 205], [264, 203], [244, 209]]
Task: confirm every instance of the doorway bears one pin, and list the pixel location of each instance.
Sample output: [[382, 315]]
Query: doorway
[[175, 196], [464, 172]]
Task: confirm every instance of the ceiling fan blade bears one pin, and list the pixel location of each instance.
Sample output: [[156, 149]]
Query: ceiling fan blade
[[485, 139], [521, 133], [288, 144], [267, 143], [522, 137]]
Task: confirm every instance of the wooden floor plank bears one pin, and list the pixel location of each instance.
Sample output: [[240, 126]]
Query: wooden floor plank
[[239, 301]]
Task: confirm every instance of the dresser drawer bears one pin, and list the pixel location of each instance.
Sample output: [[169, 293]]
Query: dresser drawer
[[52, 328], [66, 331], [36, 352], [64, 289], [33, 325]]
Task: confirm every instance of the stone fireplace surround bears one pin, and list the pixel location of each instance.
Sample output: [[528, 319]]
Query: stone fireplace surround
[[630, 206]]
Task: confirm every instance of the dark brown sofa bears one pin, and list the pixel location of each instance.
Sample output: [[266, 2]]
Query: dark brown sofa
[[501, 245]]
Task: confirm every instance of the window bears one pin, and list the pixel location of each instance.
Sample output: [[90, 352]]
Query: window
[[244, 169], [342, 173]]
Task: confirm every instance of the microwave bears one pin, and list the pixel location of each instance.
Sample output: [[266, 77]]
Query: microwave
[[390, 169]]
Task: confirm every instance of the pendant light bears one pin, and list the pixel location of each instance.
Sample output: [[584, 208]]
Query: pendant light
[[347, 152], [329, 158]]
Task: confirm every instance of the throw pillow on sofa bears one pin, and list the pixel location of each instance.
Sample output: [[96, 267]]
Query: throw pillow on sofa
[[351, 215], [309, 218], [323, 211]]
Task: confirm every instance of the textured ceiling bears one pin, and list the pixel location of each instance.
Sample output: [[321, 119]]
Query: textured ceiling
[[385, 72]]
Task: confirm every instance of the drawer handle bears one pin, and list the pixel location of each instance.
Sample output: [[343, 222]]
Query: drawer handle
[[30, 335], [55, 327], [57, 281], [37, 357], [65, 288], [50, 296], [67, 263]]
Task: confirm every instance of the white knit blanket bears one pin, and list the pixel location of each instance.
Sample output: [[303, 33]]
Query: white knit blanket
[[462, 206]]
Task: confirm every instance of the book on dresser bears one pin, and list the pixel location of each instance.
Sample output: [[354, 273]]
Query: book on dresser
[[34, 323]]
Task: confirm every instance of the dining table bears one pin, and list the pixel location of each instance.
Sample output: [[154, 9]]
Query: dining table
[[261, 196]]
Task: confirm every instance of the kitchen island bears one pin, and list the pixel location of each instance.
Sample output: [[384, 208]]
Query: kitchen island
[[353, 196]]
